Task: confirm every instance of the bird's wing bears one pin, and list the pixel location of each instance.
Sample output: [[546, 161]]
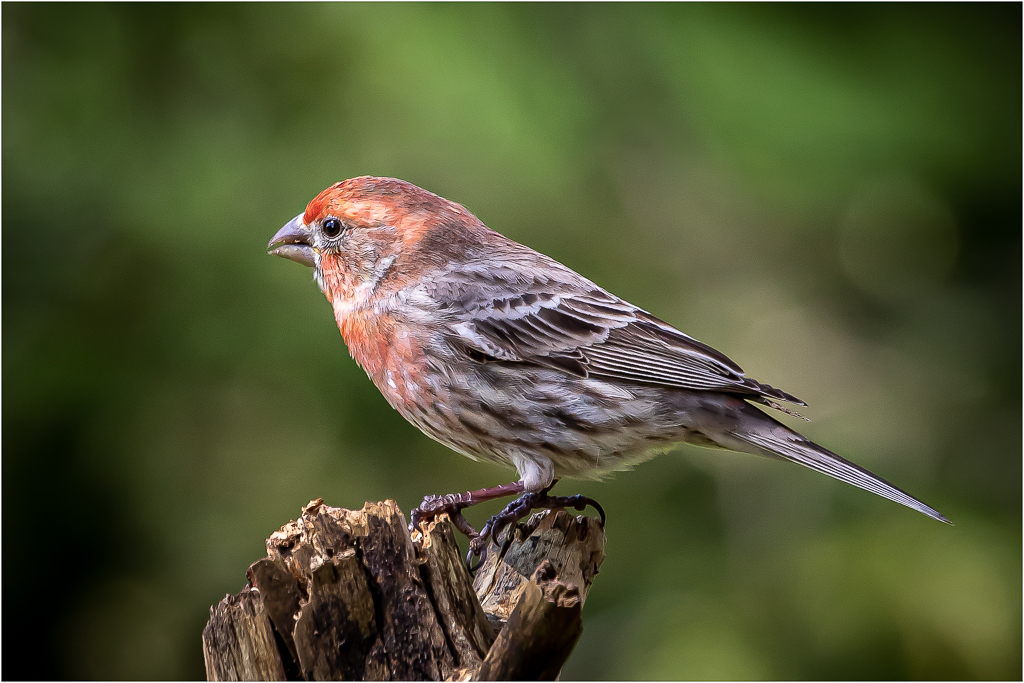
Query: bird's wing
[[556, 318]]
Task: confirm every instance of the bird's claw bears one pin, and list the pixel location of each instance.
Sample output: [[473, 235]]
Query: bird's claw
[[451, 504], [581, 502], [477, 547], [523, 505], [515, 511]]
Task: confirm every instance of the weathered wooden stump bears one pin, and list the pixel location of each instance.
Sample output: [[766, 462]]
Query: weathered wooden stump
[[348, 594]]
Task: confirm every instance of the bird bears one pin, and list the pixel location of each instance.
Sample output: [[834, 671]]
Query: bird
[[503, 354]]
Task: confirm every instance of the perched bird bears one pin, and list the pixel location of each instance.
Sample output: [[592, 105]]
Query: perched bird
[[503, 354]]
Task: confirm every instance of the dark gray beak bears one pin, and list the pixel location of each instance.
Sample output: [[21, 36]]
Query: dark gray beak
[[292, 242]]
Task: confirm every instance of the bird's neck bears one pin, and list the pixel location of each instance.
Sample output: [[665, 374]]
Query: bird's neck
[[352, 295]]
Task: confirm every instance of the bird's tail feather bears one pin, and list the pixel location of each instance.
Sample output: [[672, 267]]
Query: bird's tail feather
[[791, 446]]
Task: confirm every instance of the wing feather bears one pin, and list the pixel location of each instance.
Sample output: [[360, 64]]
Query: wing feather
[[509, 313]]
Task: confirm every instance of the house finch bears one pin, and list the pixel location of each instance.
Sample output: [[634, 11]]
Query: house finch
[[502, 353]]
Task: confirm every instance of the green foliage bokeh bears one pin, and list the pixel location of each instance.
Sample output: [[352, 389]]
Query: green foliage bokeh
[[831, 195]]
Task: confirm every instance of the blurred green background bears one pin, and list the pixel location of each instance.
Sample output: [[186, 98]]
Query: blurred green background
[[829, 194]]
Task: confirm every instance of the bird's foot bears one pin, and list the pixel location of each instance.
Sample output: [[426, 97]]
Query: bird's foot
[[515, 511], [451, 504], [454, 503]]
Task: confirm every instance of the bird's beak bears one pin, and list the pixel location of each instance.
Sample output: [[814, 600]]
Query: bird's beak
[[292, 242]]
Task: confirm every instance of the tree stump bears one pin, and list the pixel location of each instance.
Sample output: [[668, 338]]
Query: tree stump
[[348, 594]]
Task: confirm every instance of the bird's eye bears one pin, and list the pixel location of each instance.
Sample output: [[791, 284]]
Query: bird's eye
[[331, 227]]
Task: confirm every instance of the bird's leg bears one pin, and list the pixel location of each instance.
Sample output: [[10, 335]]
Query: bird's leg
[[519, 508], [454, 503]]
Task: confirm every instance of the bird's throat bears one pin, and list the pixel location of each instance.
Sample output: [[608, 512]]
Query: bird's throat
[[343, 287]]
